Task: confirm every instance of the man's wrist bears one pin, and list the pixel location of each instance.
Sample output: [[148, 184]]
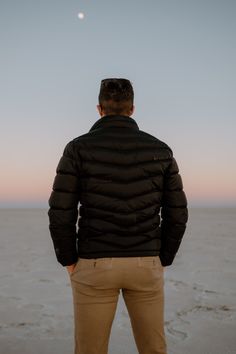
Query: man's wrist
[[70, 267]]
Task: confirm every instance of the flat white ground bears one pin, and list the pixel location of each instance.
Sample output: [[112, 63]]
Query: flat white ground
[[36, 314]]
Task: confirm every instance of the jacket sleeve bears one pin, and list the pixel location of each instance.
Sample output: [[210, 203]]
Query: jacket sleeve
[[174, 214], [63, 211]]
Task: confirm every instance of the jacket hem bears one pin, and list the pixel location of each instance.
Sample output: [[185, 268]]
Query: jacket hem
[[109, 254]]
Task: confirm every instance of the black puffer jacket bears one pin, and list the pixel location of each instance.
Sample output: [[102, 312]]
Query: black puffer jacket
[[130, 193]]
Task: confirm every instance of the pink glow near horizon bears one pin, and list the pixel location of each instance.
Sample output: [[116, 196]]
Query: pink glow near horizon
[[37, 187]]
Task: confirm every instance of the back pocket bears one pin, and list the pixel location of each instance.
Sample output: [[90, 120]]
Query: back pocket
[[150, 262]]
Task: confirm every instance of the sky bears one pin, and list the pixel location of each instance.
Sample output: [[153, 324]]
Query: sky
[[179, 55]]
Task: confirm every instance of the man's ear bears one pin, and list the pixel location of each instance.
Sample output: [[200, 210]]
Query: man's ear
[[99, 108], [132, 110]]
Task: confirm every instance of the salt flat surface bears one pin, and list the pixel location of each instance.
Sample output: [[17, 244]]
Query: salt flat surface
[[36, 314]]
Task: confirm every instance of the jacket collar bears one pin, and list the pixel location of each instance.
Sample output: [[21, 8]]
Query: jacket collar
[[115, 121]]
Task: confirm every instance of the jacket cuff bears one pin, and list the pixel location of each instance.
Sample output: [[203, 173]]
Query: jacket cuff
[[166, 260], [67, 259]]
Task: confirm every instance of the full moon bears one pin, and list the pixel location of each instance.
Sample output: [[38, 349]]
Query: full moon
[[81, 15]]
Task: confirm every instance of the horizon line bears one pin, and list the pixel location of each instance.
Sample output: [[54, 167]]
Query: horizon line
[[43, 205]]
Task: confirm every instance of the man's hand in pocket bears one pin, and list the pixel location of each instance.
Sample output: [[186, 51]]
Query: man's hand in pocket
[[70, 268]]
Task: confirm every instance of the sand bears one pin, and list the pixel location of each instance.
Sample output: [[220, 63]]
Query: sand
[[36, 314]]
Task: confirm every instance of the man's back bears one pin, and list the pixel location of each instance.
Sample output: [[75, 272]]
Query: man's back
[[126, 181], [122, 178]]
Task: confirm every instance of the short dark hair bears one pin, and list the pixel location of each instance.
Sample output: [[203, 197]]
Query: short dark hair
[[116, 96]]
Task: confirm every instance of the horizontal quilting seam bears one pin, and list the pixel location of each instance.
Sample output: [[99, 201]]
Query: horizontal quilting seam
[[92, 209], [125, 212], [152, 217], [175, 206], [131, 149], [113, 196], [67, 209], [141, 139], [101, 179], [174, 190], [128, 164], [123, 234], [173, 173], [62, 172], [60, 190], [115, 227]]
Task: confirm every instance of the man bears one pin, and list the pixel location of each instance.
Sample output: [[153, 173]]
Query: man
[[133, 215]]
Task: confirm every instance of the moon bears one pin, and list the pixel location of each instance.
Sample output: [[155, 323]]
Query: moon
[[81, 15]]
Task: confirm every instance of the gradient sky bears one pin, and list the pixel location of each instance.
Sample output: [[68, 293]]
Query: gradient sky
[[179, 55]]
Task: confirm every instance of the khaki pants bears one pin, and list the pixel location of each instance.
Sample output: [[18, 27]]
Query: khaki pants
[[96, 284]]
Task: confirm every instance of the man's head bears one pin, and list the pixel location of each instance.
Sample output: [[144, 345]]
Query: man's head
[[116, 97]]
